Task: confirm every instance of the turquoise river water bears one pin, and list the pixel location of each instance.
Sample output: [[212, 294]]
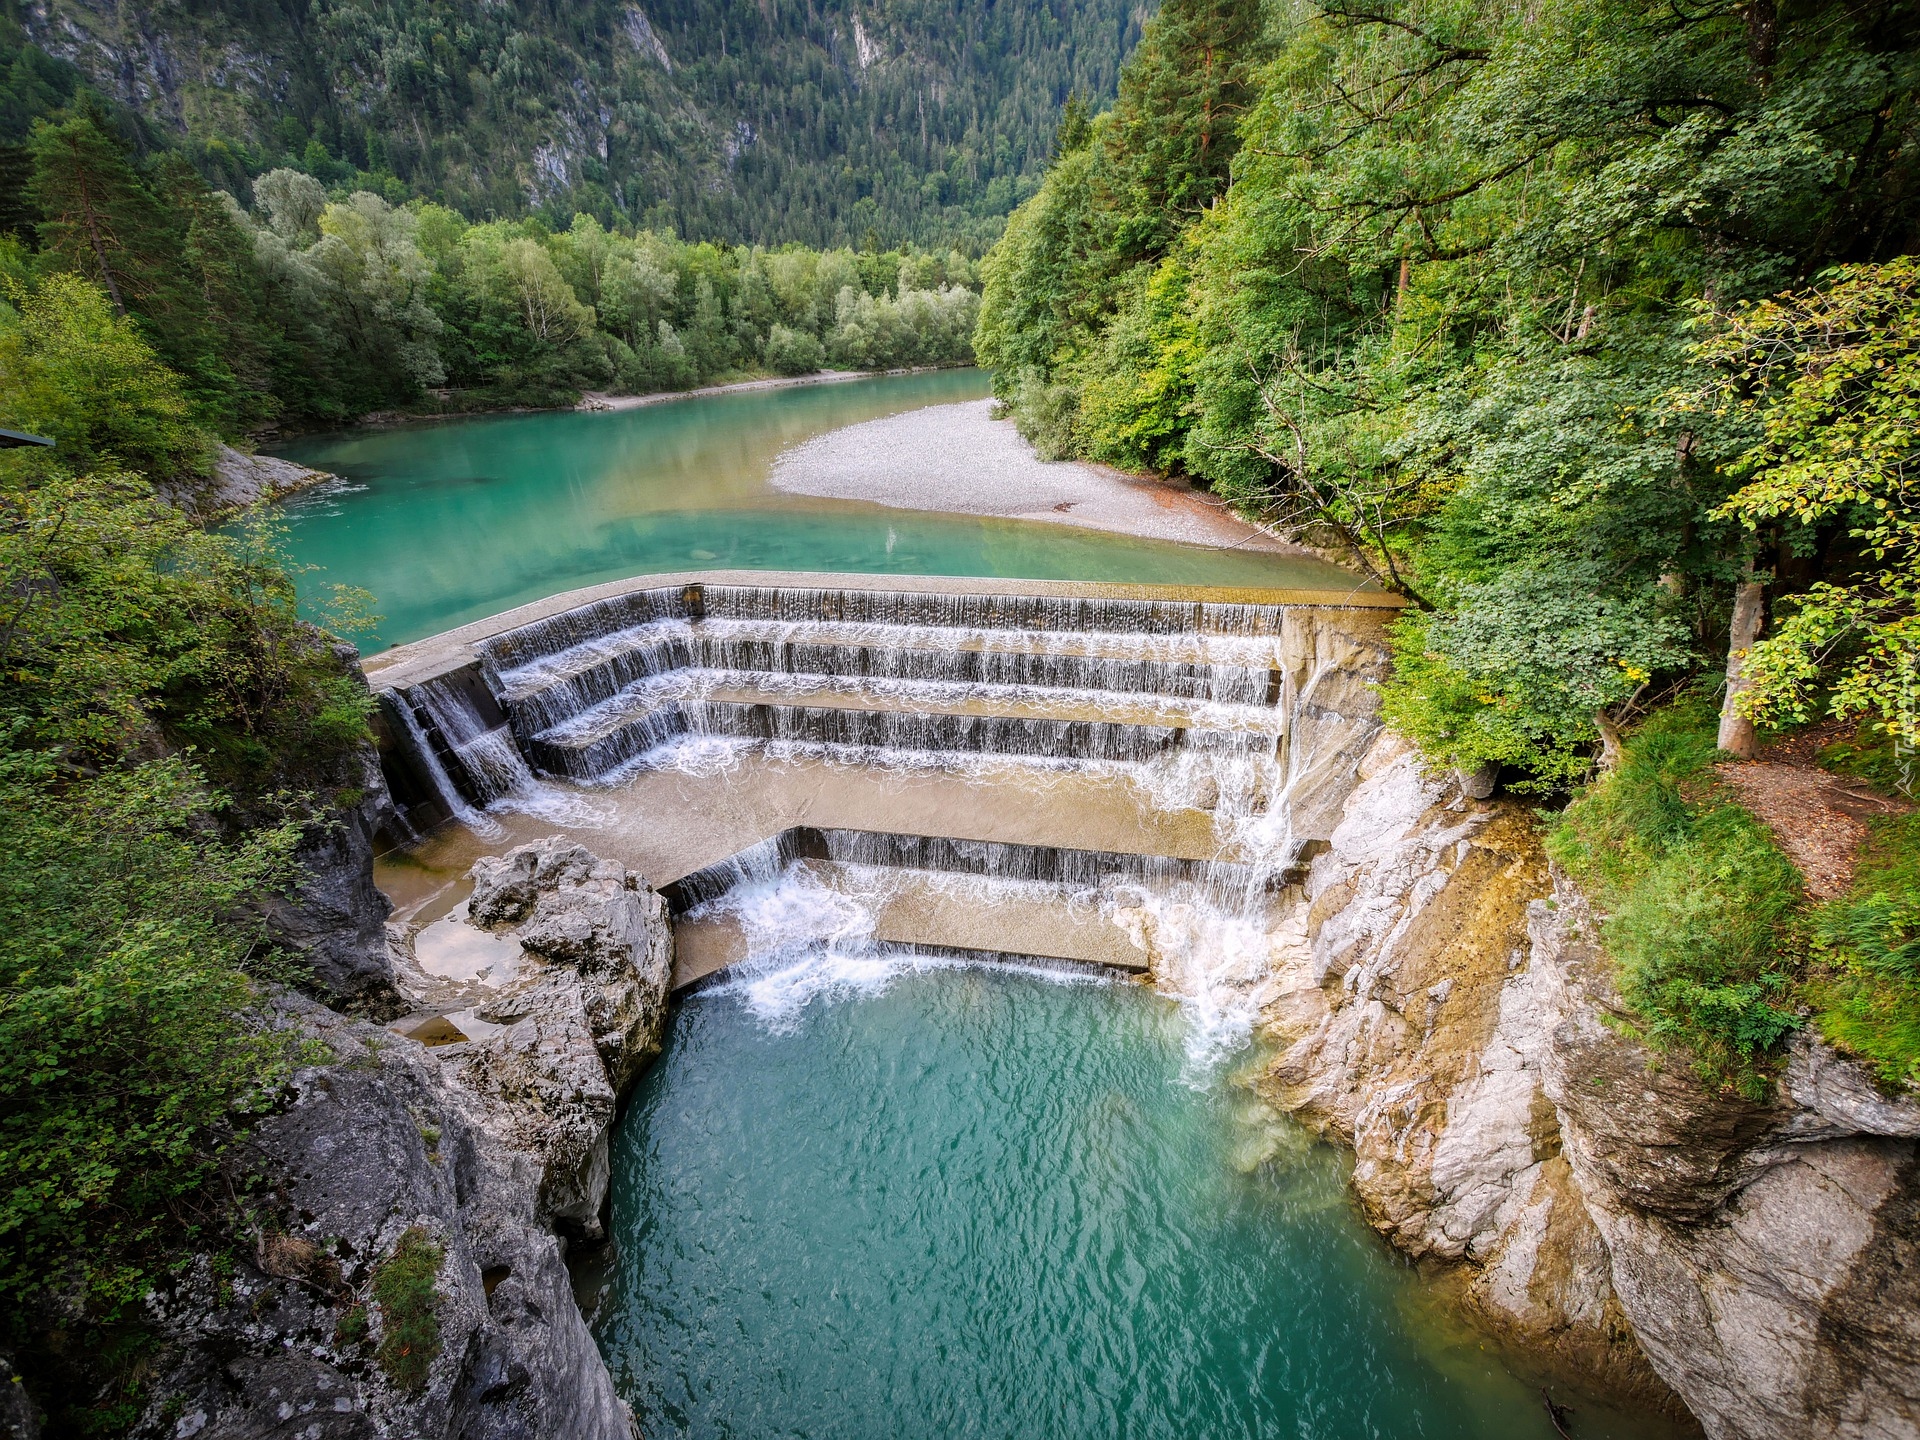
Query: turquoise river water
[[450, 522], [871, 1198], [978, 1201]]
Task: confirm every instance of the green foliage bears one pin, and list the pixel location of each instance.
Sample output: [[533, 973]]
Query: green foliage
[[405, 1288], [1518, 672], [1868, 1001], [1876, 758], [316, 305], [138, 654], [1833, 376], [1439, 315], [1702, 911], [71, 369], [126, 1051]]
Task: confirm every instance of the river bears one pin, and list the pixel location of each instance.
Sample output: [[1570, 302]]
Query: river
[[863, 1194], [449, 522]]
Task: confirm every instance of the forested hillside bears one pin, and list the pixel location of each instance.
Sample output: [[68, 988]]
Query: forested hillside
[[307, 306], [1586, 326], [825, 123]]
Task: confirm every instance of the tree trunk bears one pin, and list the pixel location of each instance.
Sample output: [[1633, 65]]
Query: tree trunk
[[1736, 731], [1609, 740]]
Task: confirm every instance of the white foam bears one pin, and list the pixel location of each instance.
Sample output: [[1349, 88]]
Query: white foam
[[808, 939]]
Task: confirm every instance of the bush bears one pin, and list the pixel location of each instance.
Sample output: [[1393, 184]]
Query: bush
[[793, 352], [1046, 414], [1518, 672], [1702, 912]]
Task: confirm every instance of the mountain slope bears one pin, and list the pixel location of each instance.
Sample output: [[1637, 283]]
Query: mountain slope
[[820, 121]]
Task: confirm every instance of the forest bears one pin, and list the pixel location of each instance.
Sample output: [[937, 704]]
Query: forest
[[1589, 328], [315, 306], [707, 119]]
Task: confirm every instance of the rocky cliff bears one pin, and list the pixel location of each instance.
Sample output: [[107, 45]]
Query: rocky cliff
[[406, 1275], [1441, 1006]]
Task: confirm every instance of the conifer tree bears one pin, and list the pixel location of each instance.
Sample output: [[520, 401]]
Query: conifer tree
[[97, 218], [1171, 139]]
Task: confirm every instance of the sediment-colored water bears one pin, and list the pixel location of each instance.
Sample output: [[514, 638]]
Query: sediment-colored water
[[449, 522]]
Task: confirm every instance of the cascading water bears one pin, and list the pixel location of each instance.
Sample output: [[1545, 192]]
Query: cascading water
[[1184, 703], [486, 754]]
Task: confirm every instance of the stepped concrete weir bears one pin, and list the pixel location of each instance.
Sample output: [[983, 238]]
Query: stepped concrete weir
[[1114, 775]]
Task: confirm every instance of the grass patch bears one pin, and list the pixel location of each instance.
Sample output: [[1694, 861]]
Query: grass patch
[[1873, 757], [1866, 985], [1704, 916], [404, 1288]]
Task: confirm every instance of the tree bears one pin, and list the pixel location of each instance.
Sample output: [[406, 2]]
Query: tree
[[378, 279], [1168, 147], [1832, 374], [97, 217], [74, 369]]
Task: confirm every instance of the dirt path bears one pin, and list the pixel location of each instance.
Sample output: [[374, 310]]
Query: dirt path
[[1818, 818]]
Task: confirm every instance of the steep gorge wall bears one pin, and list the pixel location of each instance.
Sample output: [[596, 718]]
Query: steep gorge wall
[[1443, 1009], [489, 1151]]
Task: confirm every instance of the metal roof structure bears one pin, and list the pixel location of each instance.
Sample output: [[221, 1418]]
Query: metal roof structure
[[11, 438]]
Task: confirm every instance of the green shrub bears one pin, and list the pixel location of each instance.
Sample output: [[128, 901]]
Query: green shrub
[[404, 1288], [1867, 997], [1702, 913], [126, 1057], [794, 352]]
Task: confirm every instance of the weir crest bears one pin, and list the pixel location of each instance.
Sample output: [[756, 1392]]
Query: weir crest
[[831, 775]]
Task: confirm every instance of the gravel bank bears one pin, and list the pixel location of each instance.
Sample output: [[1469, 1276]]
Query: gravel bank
[[959, 459]]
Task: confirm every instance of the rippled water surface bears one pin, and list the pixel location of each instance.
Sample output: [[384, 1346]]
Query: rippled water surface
[[978, 1202], [449, 522]]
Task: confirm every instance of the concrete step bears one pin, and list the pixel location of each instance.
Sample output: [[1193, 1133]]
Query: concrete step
[[553, 689], [912, 715]]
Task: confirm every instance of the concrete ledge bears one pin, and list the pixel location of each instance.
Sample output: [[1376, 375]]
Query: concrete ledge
[[419, 660]]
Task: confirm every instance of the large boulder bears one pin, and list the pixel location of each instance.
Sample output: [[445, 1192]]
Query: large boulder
[[419, 1149], [563, 1036]]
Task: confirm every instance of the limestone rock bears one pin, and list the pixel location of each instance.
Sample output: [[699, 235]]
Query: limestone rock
[[1414, 1031], [569, 1032], [1462, 1032], [377, 1142], [1767, 1255], [19, 1420], [484, 1145], [240, 480], [1328, 666]]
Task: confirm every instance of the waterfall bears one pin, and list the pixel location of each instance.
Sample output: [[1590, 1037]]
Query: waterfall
[[488, 755], [444, 790], [1195, 706]]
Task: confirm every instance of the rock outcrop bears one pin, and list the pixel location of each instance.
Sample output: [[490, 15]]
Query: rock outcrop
[[571, 1028], [468, 1151], [1768, 1255], [335, 919], [240, 480], [1412, 1031], [1443, 1008]]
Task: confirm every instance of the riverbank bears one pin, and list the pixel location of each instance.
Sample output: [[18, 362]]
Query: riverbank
[[599, 400], [959, 459]]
